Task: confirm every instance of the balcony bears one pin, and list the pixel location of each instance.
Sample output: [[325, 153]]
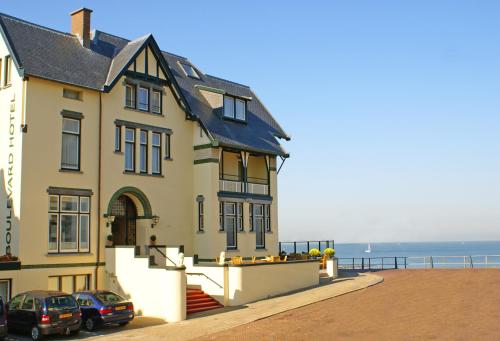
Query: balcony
[[250, 177]]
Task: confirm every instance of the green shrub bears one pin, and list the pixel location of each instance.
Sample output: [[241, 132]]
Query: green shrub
[[329, 252], [314, 253]]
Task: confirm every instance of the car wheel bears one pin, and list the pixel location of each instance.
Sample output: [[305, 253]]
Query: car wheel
[[90, 324], [35, 334], [122, 324]]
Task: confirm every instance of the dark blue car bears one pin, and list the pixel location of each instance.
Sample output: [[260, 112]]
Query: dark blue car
[[103, 308]]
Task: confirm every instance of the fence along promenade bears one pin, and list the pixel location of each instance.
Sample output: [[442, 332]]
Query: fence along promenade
[[420, 262]]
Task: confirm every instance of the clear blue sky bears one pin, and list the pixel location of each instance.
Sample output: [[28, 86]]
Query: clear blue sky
[[393, 106]]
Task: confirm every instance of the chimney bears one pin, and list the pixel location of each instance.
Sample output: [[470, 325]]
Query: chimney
[[80, 25]]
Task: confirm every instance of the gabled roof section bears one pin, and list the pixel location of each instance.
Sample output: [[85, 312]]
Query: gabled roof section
[[124, 58]]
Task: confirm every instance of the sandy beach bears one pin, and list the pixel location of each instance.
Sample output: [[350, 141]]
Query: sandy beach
[[409, 305]]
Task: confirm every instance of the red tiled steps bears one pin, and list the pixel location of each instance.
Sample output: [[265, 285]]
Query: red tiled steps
[[197, 301]]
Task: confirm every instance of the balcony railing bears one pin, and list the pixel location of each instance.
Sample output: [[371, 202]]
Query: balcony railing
[[254, 188], [231, 183], [230, 186]]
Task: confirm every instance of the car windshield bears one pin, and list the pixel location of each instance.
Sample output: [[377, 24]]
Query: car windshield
[[61, 302], [108, 297]]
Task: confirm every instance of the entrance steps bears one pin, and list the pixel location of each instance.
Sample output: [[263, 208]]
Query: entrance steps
[[197, 301]]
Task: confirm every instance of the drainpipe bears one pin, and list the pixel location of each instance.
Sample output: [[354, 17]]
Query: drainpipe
[[98, 253]]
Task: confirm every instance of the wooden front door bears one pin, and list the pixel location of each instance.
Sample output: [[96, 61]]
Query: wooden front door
[[124, 226]]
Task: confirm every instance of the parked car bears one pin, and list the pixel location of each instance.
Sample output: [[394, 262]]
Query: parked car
[[3, 319], [103, 308], [44, 313]]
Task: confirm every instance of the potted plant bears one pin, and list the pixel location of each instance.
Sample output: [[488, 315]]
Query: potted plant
[[329, 252], [109, 240], [315, 253], [152, 240]]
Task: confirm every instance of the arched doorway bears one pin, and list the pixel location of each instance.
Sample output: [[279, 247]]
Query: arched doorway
[[124, 225]]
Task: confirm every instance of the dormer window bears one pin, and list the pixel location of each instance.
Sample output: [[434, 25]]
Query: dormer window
[[189, 70], [234, 108]]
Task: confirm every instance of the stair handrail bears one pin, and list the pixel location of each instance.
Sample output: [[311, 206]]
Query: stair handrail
[[161, 253], [202, 274]]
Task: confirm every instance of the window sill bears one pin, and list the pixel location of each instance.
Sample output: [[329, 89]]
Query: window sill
[[232, 250], [168, 158], [200, 232], [6, 86], [144, 174], [57, 254], [119, 152], [65, 170], [269, 232], [260, 249], [144, 111]]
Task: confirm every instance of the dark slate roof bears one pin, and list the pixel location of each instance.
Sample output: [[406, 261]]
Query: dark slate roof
[[261, 129], [59, 56], [54, 55]]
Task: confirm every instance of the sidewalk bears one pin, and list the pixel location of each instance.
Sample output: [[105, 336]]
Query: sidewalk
[[230, 317]]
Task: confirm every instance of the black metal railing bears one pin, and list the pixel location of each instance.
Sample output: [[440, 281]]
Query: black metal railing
[[305, 246], [373, 263]]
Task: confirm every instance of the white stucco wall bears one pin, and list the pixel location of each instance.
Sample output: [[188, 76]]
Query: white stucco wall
[[157, 292], [237, 285]]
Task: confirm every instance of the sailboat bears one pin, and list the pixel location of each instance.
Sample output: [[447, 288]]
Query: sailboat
[[369, 249]]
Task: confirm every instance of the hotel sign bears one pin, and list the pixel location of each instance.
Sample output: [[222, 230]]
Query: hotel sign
[[9, 175]]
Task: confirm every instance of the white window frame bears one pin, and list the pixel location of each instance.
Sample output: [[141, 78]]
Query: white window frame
[[78, 213], [139, 104], [61, 215], [78, 134], [158, 93], [132, 103], [143, 151], [156, 146], [62, 197], [132, 143]]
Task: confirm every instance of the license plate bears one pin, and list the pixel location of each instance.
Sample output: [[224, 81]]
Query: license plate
[[65, 316], [121, 308]]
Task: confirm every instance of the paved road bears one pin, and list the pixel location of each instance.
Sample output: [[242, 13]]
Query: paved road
[[137, 323], [438, 304]]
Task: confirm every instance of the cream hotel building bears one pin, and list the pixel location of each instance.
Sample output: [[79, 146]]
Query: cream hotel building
[[109, 140]]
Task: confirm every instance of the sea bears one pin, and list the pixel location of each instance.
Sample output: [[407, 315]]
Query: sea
[[417, 254], [418, 249]]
